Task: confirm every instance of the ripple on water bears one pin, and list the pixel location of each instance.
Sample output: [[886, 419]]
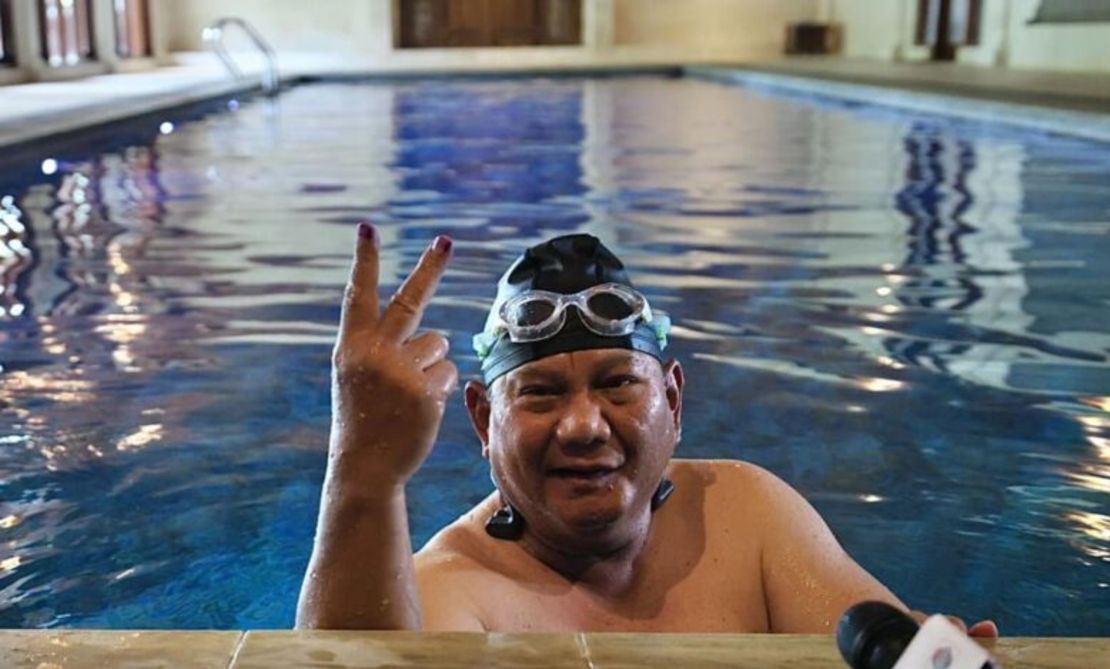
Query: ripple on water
[[903, 316]]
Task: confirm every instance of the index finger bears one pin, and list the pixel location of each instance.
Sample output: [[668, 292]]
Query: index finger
[[360, 299], [405, 310]]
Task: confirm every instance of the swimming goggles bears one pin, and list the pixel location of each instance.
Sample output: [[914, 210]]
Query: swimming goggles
[[608, 309]]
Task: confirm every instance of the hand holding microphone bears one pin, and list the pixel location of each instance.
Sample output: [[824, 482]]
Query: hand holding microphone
[[876, 635]]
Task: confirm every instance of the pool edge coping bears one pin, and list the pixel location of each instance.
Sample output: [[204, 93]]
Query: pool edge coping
[[23, 131], [1091, 126], [231, 649]]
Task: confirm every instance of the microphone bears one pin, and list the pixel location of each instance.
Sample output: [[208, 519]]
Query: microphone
[[875, 635]]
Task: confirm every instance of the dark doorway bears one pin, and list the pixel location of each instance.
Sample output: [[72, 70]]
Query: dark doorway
[[945, 25], [484, 23]]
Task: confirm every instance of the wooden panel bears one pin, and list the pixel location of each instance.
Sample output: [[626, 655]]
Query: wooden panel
[[468, 23], [486, 23], [421, 22], [512, 22], [560, 21]]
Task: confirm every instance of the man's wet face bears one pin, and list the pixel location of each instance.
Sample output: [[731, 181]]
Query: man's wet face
[[579, 441]]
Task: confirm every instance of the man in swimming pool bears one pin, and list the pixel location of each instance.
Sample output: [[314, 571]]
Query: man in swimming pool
[[592, 526]]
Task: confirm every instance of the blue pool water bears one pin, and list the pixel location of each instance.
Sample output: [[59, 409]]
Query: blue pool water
[[908, 318]]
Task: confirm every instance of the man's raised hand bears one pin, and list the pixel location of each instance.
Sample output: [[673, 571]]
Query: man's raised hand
[[389, 387]]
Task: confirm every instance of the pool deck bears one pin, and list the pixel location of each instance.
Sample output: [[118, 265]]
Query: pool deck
[[24, 649], [1068, 103]]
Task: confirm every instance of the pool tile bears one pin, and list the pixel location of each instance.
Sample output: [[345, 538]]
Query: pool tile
[[79, 649], [271, 650], [1052, 653], [702, 651]]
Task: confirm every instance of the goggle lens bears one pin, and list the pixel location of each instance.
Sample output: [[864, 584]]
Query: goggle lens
[[531, 313], [611, 306]]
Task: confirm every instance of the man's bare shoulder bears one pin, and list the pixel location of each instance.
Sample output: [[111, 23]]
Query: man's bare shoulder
[[730, 479], [450, 570], [737, 497], [457, 547]]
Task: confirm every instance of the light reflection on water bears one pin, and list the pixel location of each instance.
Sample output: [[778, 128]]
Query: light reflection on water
[[905, 318]]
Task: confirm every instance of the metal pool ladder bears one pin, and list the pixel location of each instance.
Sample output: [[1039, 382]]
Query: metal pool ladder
[[213, 36]]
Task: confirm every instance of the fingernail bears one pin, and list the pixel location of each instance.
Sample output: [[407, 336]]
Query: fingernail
[[366, 231], [443, 244]]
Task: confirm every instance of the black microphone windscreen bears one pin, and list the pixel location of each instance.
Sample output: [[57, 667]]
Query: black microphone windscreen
[[872, 635]]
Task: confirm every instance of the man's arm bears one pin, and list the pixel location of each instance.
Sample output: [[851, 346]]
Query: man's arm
[[360, 575], [389, 389], [808, 579]]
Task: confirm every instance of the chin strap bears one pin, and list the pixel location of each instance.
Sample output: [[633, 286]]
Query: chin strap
[[661, 493], [508, 525]]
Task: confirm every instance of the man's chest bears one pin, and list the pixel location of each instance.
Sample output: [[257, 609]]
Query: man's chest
[[696, 604]]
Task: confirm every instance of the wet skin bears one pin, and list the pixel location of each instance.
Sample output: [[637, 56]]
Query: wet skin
[[578, 443]]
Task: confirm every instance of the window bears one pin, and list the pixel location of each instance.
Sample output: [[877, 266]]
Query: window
[[132, 28], [66, 31], [6, 56], [953, 22]]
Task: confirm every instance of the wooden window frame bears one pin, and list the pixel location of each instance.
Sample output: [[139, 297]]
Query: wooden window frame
[[131, 17], [27, 57], [83, 38], [7, 45]]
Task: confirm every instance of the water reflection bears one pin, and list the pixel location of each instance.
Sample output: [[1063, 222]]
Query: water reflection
[[16, 257], [901, 316]]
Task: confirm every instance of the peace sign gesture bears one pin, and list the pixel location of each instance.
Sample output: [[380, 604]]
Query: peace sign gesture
[[389, 388]]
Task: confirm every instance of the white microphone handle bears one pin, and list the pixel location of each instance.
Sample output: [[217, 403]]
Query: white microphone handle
[[939, 644]]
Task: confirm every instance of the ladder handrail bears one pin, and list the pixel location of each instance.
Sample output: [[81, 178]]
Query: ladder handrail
[[213, 36]]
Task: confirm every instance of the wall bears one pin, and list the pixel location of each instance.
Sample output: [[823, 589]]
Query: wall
[[722, 28], [885, 30], [870, 27], [1055, 46], [289, 25], [679, 30]]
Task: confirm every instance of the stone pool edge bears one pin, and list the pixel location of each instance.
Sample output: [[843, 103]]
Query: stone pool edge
[[36, 112], [81, 649], [1082, 124]]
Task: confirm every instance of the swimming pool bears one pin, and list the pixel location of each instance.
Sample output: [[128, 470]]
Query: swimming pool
[[906, 317]]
